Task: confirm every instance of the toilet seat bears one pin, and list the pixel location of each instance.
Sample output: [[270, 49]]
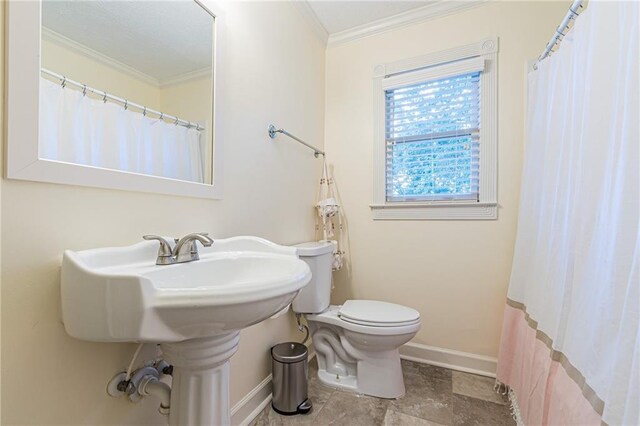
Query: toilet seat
[[374, 313], [332, 316], [374, 324]]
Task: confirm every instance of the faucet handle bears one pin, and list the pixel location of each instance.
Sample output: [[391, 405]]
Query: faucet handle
[[165, 254]]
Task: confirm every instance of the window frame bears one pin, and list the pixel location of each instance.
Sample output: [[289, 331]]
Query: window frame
[[413, 70]]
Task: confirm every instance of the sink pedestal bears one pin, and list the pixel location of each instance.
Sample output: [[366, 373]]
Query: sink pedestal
[[120, 294], [200, 387]]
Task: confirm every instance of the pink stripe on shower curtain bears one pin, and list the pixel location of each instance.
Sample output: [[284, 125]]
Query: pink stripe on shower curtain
[[570, 348], [547, 395]]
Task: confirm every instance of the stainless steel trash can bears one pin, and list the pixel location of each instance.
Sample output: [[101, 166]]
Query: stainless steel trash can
[[289, 365]]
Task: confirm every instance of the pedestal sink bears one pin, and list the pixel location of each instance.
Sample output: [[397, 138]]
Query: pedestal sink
[[194, 310]]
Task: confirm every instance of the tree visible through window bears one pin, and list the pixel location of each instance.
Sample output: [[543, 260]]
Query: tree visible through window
[[432, 139]]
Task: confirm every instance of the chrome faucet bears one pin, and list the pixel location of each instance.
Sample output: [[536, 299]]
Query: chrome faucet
[[185, 249]]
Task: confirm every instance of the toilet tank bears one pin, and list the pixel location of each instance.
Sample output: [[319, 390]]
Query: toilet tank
[[314, 297]]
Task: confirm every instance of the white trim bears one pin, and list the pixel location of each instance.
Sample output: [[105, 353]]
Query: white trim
[[73, 45], [23, 85], [448, 358], [431, 11], [57, 38], [307, 12], [464, 66], [311, 349], [249, 407], [486, 209], [434, 211], [184, 77]]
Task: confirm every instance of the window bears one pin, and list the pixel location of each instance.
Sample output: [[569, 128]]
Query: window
[[432, 132], [435, 136]]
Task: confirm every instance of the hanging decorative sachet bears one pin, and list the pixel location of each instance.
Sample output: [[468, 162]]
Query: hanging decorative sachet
[[329, 219]]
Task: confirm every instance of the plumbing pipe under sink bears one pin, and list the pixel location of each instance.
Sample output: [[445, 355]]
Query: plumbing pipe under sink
[[150, 385]]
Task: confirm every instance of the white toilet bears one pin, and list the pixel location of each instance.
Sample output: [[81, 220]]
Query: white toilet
[[356, 343]]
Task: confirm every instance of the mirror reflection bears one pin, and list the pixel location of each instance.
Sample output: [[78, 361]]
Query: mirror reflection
[[128, 85]]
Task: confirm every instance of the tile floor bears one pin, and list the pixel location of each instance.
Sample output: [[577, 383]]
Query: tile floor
[[435, 397]]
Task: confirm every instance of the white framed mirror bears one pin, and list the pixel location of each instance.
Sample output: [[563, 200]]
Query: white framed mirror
[[115, 95]]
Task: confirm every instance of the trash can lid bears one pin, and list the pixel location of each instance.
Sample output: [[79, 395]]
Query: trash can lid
[[289, 352]]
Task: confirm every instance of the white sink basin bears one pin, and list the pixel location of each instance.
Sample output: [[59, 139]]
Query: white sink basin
[[194, 310], [120, 294]]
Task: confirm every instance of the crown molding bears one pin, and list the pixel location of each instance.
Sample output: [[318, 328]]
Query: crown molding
[[307, 12], [433, 10], [55, 37], [59, 39], [184, 77]]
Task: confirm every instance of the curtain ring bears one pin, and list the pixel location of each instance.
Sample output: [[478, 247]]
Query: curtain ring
[[84, 90], [176, 122], [104, 97], [189, 125], [126, 104], [161, 115], [64, 81], [575, 13], [144, 111]]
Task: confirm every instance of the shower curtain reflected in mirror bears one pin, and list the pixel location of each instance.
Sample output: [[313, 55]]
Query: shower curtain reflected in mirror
[[79, 129], [570, 348]]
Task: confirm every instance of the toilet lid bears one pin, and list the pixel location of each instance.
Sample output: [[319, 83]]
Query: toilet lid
[[378, 313]]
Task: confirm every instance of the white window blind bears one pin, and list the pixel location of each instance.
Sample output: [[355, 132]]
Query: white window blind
[[432, 133]]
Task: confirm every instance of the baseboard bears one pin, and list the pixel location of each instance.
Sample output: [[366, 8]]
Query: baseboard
[[250, 407], [447, 358], [312, 350]]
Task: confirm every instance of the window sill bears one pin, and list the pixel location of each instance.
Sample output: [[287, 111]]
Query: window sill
[[435, 211]]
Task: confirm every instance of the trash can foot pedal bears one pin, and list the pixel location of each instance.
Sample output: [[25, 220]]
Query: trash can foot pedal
[[305, 407]]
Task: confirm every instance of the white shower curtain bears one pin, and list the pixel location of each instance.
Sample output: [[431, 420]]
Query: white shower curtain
[[570, 348], [84, 130]]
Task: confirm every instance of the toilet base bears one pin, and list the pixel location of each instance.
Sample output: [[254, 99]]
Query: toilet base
[[348, 383], [379, 376], [341, 365], [359, 358]]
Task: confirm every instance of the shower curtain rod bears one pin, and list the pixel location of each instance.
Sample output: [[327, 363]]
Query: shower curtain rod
[[561, 31], [107, 97], [272, 134]]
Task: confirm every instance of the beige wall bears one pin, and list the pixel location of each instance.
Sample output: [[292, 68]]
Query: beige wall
[[454, 272], [273, 72], [186, 99], [83, 69], [189, 100]]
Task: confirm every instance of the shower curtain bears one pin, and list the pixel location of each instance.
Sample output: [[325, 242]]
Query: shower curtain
[[83, 130], [570, 348]]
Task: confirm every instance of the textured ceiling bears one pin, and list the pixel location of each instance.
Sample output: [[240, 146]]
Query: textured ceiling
[[163, 39], [336, 16]]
